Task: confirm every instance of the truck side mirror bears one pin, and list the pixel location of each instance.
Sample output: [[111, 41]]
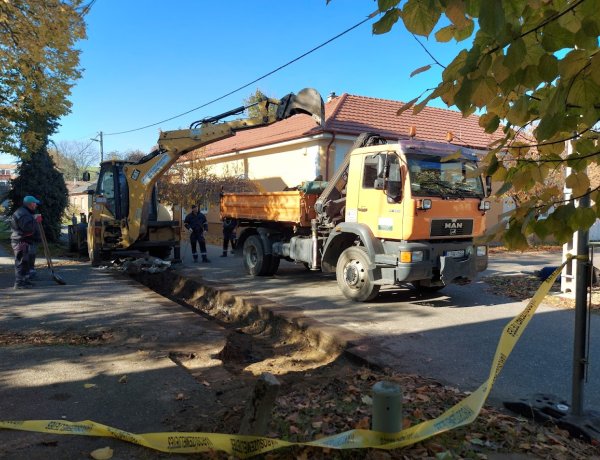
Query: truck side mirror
[[488, 185], [86, 176], [381, 166]]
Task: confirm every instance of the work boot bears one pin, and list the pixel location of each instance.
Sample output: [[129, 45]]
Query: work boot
[[195, 256], [205, 259], [28, 283], [224, 254], [19, 286]]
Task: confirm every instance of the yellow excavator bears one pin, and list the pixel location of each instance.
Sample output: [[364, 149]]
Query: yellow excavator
[[126, 218]]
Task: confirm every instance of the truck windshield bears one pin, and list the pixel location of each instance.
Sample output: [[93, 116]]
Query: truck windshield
[[429, 176]]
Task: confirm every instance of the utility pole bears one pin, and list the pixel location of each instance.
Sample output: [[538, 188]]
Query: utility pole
[[101, 140]]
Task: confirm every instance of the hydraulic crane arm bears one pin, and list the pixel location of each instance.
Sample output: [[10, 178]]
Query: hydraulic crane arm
[[142, 176]]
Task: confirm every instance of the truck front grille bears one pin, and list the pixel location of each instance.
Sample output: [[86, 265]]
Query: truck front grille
[[451, 227]]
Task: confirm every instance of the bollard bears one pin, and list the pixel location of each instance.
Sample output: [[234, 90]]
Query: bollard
[[387, 407], [259, 409]]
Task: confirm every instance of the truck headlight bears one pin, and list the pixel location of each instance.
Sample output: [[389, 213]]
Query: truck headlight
[[411, 256], [481, 251]]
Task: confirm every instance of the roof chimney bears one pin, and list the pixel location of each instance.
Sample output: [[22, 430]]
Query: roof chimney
[[331, 96]]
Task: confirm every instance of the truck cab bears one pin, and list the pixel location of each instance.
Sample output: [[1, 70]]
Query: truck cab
[[419, 205]]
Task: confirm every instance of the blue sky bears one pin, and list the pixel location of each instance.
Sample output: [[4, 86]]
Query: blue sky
[[146, 61]]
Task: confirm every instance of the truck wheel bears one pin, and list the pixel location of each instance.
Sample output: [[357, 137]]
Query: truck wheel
[[421, 288], [353, 275], [257, 263]]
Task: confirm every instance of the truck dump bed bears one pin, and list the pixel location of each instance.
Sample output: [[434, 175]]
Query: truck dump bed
[[293, 207]]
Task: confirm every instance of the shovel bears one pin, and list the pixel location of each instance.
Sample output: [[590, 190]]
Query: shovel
[[55, 277]]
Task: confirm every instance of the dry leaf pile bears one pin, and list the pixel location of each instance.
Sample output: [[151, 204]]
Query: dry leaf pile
[[335, 399], [523, 287]]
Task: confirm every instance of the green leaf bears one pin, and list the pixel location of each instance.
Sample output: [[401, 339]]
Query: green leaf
[[455, 11], [590, 27], [385, 5], [548, 126], [492, 20], [493, 165], [548, 67], [489, 122], [421, 16], [385, 24], [407, 106], [514, 237], [499, 70], [585, 146], [455, 68], [572, 63], [595, 68], [462, 33], [516, 53], [518, 114], [583, 219], [485, 89], [555, 37], [570, 22], [462, 99], [505, 187], [445, 34], [583, 92], [578, 182], [425, 68]]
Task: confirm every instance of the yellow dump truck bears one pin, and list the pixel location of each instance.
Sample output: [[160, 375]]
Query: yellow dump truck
[[392, 213]]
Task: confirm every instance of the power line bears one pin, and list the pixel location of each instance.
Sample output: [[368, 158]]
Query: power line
[[369, 17], [86, 9]]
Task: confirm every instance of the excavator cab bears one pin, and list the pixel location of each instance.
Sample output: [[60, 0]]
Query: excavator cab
[[112, 190]]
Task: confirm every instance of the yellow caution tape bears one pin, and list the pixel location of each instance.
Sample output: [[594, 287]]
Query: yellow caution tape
[[460, 414]]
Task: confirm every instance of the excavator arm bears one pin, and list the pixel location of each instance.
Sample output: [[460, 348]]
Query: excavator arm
[[142, 176]]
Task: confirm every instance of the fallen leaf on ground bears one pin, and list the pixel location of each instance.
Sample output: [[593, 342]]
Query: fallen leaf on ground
[[89, 385], [102, 454], [123, 379]]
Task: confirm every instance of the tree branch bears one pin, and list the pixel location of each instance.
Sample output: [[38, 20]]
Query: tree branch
[[427, 51]]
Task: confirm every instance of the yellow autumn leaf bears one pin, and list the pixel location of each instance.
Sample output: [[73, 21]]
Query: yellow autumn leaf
[[105, 453]]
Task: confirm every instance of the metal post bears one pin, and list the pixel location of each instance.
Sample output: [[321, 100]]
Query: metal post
[[387, 407], [581, 290], [101, 147]]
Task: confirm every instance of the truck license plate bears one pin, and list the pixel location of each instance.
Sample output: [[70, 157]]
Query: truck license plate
[[455, 254]]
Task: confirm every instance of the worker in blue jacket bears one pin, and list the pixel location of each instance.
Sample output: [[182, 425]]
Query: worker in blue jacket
[[197, 224]]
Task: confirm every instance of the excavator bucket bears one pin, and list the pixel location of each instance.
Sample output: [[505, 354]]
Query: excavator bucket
[[307, 101]]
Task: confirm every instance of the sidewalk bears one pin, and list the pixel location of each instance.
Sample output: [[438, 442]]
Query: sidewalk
[[100, 348]]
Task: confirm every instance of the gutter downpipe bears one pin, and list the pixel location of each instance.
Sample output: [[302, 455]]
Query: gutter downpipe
[[327, 151]]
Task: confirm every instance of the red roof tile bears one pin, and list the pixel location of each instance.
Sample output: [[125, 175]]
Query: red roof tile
[[353, 115]]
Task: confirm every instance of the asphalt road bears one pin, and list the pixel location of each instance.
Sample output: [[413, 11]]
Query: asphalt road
[[450, 336]]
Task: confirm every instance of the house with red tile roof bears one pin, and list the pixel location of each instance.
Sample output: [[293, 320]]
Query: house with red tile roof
[[295, 150]]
